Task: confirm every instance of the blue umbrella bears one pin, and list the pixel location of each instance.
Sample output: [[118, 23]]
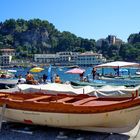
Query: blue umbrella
[[49, 74]]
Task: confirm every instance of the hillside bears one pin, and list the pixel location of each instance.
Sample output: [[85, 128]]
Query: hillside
[[40, 36]]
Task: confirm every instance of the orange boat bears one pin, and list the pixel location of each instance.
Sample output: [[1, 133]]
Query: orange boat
[[82, 112]]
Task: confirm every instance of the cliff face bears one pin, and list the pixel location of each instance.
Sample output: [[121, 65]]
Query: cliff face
[[33, 37], [30, 36]]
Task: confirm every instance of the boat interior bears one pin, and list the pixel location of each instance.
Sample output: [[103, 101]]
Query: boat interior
[[76, 100]]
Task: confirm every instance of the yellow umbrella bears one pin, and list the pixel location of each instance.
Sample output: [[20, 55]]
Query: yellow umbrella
[[36, 69]]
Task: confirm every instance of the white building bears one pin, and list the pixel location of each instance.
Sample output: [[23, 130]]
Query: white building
[[45, 58], [90, 59], [5, 60], [63, 58], [67, 57], [70, 58]]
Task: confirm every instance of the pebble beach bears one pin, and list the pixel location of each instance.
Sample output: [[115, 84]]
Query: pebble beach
[[17, 131]]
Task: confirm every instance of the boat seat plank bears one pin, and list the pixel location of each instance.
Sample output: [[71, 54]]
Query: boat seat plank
[[2, 95], [65, 99], [38, 98], [100, 103], [80, 102]]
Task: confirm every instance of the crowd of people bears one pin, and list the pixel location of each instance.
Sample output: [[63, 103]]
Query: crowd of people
[[29, 79]]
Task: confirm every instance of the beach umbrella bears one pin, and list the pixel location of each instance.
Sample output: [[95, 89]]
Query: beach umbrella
[[75, 71], [117, 64], [36, 69]]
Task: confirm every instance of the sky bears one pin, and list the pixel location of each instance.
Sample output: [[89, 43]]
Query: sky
[[92, 19]]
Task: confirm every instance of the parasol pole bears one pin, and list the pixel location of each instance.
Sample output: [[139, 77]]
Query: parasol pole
[[118, 71], [102, 71]]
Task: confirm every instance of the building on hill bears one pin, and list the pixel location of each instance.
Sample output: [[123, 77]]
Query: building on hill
[[110, 40], [99, 42]]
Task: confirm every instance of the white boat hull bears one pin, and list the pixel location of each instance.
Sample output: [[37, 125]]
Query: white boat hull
[[119, 121], [8, 81]]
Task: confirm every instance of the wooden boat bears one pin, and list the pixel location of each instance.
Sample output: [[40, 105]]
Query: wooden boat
[[81, 112]]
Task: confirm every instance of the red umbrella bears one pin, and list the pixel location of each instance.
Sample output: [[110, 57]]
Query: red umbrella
[[75, 71]]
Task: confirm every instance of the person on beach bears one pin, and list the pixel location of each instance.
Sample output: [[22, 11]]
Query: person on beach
[[21, 80], [30, 79], [44, 78], [57, 79], [93, 73], [82, 77], [3, 76], [86, 79]]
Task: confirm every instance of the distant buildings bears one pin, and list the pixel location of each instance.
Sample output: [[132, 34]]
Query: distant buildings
[[70, 58], [45, 58], [5, 60], [67, 58], [110, 40], [60, 58], [6, 56]]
